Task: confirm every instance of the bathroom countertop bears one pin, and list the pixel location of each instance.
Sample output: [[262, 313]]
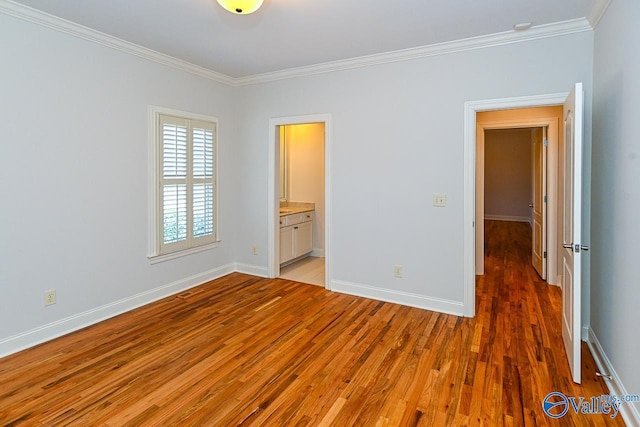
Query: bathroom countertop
[[291, 211], [291, 208]]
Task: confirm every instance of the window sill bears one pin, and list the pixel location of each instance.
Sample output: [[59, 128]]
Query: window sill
[[155, 259]]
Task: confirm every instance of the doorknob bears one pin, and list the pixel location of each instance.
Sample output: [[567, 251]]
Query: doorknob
[[530, 205], [567, 246]]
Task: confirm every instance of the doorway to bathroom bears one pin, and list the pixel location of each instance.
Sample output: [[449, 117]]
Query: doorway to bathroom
[[299, 199]]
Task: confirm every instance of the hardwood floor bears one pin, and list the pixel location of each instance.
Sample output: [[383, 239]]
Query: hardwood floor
[[249, 351], [308, 270]]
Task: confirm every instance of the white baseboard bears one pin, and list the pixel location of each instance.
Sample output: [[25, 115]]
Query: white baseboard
[[404, 298], [78, 321], [507, 218], [629, 411], [254, 270], [318, 252], [558, 281]]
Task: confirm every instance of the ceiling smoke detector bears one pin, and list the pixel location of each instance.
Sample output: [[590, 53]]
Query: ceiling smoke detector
[[518, 27]]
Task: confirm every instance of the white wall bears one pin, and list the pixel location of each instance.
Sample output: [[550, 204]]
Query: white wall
[[615, 294], [507, 183], [73, 167], [397, 139], [305, 157]]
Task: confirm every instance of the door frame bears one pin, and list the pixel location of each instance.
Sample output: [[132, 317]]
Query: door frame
[[471, 154], [538, 201], [273, 204]]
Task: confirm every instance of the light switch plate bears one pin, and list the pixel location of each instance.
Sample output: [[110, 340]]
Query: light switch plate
[[440, 200]]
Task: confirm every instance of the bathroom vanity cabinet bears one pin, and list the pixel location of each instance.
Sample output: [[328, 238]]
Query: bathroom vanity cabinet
[[296, 236]]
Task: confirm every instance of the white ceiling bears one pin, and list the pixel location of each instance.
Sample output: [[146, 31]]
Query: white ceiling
[[287, 34]]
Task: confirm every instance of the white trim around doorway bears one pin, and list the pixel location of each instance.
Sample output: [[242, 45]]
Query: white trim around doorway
[[273, 204], [469, 216]]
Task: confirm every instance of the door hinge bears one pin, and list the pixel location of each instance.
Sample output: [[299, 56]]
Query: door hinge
[[544, 199], [544, 254], [546, 142]]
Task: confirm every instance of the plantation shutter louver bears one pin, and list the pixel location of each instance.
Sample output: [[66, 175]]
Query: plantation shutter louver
[[203, 182]]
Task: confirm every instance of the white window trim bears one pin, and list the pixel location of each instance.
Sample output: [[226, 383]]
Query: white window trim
[[155, 259], [153, 246]]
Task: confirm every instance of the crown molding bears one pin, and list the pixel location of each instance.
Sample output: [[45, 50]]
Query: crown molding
[[480, 42], [44, 19], [38, 17], [597, 12]]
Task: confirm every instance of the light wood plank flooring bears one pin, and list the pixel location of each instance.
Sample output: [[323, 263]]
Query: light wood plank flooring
[[308, 270], [243, 350]]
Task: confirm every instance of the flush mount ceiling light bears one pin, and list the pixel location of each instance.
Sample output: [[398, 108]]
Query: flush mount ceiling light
[[241, 7]]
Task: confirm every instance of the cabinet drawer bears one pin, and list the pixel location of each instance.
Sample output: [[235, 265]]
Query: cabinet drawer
[[295, 219]]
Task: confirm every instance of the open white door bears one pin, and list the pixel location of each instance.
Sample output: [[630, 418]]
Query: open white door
[[572, 222], [539, 205]]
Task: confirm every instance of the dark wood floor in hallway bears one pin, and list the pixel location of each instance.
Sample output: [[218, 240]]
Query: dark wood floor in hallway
[[243, 350]]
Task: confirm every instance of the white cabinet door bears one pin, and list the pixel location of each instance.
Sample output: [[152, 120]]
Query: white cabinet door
[[303, 238], [287, 244]]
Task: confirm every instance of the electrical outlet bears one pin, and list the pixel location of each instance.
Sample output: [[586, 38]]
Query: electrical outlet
[[440, 200], [49, 297], [254, 250], [397, 271]]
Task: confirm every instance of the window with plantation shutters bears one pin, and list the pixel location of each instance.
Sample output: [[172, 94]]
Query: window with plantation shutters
[[186, 179]]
